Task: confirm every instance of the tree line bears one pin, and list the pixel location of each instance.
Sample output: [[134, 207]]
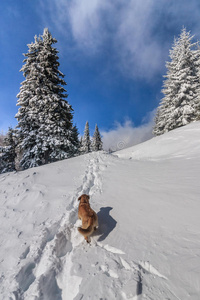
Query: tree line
[[45, 132]]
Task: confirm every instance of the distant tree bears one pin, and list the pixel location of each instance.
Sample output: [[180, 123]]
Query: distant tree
[[86, 143], [8, 154], [97, 144], [197, 99], [2, 137], [181, 85], [1, 159], [18, 149], [2, 145], [44, 117], [80, 144], [75, 141]]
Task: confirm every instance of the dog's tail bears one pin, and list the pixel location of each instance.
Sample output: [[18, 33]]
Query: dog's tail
[[86, 232]]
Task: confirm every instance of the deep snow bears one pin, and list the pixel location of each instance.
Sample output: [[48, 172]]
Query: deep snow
[[148, 242]]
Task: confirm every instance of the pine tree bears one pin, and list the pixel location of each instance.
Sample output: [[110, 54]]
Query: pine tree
[[86, 143], [97, 144], [81, 145], [75, 141], [44, 117], [197, 99], [8, 153], [2, 163], [177, 108], [2, 137]]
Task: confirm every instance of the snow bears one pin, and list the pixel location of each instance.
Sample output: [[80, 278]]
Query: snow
[[180, 143], [147, 245]]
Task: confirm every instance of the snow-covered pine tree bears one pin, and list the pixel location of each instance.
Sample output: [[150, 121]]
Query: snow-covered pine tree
[[44, 117], [177, 108], [2, 137], [8, 153], [86, 143], [197, 99], [97, 144], [1, 159], [80, 144], [75, 141]]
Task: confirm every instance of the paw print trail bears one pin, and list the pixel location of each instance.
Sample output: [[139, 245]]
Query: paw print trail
[[47, 266], [60, 265]]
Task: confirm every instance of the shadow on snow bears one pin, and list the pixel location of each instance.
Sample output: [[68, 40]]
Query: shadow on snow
[[106, 223]]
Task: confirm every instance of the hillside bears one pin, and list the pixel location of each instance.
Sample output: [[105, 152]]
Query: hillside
[[148, 242], [180, 143]]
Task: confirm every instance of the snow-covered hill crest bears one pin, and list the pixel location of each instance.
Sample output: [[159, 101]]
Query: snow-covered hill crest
[[180, 143], [148, 242]]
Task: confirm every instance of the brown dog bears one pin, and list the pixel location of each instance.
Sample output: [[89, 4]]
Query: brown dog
[[88, 217]]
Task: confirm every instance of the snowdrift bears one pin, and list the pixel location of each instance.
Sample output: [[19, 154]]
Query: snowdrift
[[148, 242]]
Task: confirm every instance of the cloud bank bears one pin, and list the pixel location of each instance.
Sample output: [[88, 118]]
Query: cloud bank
[[134, 30], [126, 135]]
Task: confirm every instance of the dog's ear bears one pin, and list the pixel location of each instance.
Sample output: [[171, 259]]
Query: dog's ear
[[79, 198], [88, 197]]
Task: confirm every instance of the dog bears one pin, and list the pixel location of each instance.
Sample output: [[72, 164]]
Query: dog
[[87, 216]]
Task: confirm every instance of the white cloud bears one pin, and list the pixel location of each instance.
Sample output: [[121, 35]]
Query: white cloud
[[86, 22], [139, 53], [126, 135], [133, 29]]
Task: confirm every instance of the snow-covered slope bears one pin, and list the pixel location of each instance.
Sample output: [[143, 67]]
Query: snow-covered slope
[[148, 242], [180, 143]]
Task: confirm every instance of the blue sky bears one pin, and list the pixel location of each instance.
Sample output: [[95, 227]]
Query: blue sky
[[112, 53]]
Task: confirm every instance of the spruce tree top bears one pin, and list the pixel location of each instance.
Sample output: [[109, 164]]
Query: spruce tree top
[[42, 90]]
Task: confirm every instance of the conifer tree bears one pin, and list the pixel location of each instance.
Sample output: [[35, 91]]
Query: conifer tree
[[75, 141], [2, 137], [97, 144], [86, 143], [8, 153], [181, 84], [80, 144], [197, 99], [44, 117], [2, 164]]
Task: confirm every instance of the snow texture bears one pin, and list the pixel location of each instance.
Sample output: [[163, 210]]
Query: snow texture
[[148, 242]]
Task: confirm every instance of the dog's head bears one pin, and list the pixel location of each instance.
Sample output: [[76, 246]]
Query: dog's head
[[84, 198]]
